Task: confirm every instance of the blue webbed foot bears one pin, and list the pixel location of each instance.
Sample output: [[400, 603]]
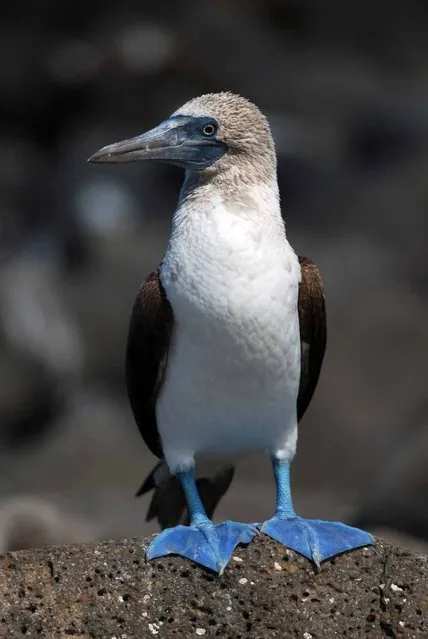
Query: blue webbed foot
[[208, 545], [317, 540]]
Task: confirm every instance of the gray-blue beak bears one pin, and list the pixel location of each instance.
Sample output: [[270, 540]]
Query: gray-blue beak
[[179, 140]]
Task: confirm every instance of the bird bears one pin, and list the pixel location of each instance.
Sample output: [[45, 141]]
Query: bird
[[227, 336]]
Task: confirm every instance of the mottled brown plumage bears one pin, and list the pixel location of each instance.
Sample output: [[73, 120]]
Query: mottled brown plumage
[[242, 126], [150, 332]]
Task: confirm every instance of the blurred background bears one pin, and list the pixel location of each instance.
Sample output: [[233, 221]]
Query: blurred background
[[345, 87]]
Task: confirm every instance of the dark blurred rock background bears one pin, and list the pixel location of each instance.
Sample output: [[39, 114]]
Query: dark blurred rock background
[[345, 86]]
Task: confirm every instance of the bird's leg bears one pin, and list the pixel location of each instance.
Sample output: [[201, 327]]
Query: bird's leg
[[203, 542], [195, 507], [317, 540]]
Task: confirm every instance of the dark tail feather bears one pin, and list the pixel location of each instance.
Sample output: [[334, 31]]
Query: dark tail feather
[[149, 483], [168, 504]]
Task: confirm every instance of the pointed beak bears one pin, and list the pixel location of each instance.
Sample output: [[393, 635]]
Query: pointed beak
[[175, 141], [156, 144]]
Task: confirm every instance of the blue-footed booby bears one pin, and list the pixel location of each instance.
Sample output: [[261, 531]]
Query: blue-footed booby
[[228, 335]]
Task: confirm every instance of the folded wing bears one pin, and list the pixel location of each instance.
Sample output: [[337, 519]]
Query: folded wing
[[149, 337]]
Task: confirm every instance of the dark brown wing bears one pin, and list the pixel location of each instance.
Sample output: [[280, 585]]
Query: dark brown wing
[[146, 356], [313, 332]]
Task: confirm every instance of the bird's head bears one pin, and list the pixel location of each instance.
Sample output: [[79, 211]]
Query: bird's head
[[211, 133]]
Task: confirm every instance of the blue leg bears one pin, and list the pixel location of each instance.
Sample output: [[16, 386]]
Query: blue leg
[[317, 540], [202, 542]]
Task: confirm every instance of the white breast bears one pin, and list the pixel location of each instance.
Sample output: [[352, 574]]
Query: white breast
[[234, 363]]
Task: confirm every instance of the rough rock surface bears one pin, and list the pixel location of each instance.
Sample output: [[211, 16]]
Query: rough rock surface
[[107, 590]]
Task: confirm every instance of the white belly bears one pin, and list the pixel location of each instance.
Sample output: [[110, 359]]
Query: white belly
[[234, 362]]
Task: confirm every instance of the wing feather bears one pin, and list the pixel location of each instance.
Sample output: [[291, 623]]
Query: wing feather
[[146, 356], [313, 332]]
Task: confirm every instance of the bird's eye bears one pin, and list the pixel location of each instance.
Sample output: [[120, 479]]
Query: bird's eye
[[209, 130]]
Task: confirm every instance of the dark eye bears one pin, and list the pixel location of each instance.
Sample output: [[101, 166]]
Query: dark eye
[[209, 130]]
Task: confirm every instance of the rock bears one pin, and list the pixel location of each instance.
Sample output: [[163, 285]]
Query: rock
[[108, 590]]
